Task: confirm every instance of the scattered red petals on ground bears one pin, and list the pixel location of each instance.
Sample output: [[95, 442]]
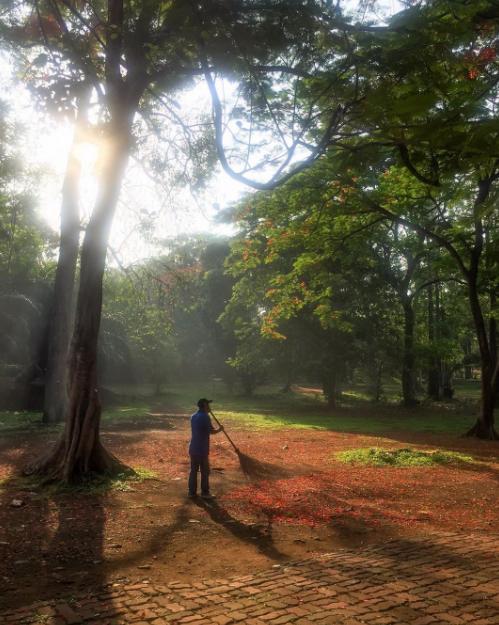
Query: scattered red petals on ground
[[303, 500], [445, 497]]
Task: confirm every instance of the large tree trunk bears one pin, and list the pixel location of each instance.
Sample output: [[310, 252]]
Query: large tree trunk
[[55, 398], [408, 359], [484, 427], [79, 451]]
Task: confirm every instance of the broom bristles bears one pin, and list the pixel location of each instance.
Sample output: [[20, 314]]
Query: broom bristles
[[257, 469]]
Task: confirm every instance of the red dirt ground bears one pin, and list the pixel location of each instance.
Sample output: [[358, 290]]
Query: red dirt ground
[[57, 544]]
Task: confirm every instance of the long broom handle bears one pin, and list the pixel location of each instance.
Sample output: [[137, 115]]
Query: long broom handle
[[223, 430]]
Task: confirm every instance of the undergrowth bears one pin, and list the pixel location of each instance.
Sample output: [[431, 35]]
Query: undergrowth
[[406, 457]]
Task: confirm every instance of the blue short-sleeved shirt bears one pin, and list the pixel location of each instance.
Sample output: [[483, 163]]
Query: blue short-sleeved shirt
[[200, 438]]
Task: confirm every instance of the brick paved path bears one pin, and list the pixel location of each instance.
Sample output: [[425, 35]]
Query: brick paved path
[[450, 579]]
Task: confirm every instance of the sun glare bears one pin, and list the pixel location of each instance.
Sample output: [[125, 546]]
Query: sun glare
[[87, 154]]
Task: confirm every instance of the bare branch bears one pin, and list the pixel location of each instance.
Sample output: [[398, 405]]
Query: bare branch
[[274, 180]]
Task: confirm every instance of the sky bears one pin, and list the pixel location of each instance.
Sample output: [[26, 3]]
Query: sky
[[148, 212], [46, 145]]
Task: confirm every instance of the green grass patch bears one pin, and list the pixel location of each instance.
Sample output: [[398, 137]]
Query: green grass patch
[[12, 420], [129, 412], [92, 485], [406, 457]]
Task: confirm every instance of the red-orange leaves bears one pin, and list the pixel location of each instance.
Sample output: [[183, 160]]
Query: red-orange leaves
[[477, 61]]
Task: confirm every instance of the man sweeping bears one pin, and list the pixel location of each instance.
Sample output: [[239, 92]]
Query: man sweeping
[[199, 449]]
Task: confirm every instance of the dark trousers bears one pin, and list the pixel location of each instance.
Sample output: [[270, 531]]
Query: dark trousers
[[199, 463]]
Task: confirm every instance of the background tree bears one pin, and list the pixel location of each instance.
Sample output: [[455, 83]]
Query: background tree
[[25, 263], [433, 99]]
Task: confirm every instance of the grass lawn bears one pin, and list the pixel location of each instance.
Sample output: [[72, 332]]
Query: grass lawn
[[272, 409]]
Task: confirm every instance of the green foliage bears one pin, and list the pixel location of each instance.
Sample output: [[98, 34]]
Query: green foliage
[[324, 266], [24, 259], [407, 457], [394, 205], [23, 236], [137, 328]]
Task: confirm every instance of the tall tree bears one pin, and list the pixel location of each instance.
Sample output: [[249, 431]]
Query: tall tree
[[59, 331], [431, 106], [131, 53]]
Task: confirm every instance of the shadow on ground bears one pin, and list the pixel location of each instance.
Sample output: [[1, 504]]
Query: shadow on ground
[[56, 531], [256, 536]]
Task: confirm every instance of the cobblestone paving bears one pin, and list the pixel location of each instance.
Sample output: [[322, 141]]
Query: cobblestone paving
[[448, 580]]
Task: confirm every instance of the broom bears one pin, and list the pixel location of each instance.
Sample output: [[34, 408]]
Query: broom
[[251, 467]]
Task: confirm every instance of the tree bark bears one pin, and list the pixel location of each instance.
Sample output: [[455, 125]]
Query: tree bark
[[59, 332], [468, 369], [447, 388], [493, 342], [79, 452], [408, 359], [484, 426], [330, 388]]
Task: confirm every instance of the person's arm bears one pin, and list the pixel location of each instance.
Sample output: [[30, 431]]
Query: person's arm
[[215, 430]]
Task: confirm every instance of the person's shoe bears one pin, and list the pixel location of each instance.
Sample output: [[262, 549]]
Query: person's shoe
[[207, 496], [192, 495]]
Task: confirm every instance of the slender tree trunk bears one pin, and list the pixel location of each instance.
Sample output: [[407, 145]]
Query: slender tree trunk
[[408, 360], [248, 384], [289, 374], [447, 388], [433, 372], [330, 388], [468, 369], [484, 427], [493, 342], [55, 399], [79, 451], [446, 371], [493, 328], [378, 381]]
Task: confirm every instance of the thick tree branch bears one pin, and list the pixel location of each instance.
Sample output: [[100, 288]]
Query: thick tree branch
[[274, 181], [406, 159]]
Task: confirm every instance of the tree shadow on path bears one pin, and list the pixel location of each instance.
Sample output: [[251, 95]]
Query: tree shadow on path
[[54, 540]]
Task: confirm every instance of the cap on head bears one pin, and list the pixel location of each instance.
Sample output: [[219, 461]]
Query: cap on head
[[203, 401]]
